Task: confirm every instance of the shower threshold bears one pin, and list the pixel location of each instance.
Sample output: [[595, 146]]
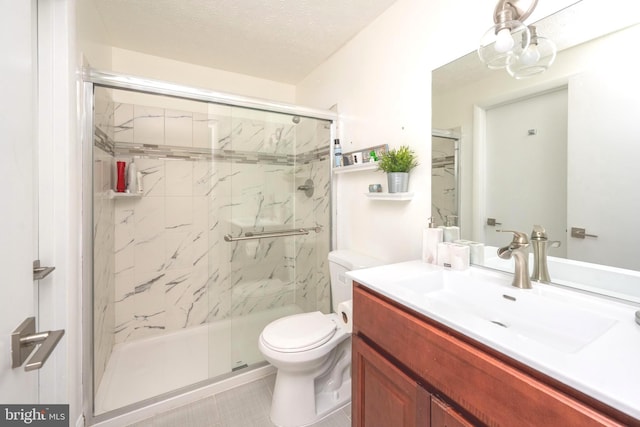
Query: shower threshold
[[149, 367]]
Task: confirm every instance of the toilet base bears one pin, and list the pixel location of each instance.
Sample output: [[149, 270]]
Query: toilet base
[[304, 398], [295, 404], [330, 402]]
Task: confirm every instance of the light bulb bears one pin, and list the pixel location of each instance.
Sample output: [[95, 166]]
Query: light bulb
[[530, 56], [504, 41]]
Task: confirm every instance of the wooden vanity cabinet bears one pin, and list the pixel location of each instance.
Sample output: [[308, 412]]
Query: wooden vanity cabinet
[[387, 397], [408, 370]]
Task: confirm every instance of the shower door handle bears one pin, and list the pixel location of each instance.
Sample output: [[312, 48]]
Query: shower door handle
[[24, 340]]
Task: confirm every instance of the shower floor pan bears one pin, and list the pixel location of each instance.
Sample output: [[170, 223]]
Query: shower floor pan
[[150, 367]]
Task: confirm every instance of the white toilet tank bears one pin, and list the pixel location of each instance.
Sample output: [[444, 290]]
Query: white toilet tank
[[340, 262]]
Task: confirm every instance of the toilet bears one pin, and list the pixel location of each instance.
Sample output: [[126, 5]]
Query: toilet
[[312, 353]]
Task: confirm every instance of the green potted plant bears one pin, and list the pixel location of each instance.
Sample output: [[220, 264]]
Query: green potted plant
[[397, 163]]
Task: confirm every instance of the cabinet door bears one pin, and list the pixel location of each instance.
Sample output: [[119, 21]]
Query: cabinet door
[[443, 415], [383, 395]]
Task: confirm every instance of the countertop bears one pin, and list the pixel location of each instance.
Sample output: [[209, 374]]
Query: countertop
[[607, 369]]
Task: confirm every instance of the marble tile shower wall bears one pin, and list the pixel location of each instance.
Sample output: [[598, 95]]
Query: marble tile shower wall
[[312, 268], [443, 178], [173, 268], [103, 229]]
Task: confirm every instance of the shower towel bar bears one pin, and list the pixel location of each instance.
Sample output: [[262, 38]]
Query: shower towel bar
[[249, 235]]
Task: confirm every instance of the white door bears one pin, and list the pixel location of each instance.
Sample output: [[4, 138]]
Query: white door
[[18, 220], [526, 168]]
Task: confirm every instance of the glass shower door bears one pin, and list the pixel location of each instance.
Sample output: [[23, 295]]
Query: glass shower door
[[270, 158], [262, 193]]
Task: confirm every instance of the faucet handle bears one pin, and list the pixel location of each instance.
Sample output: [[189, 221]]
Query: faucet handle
[[538, 233], [518, 236]]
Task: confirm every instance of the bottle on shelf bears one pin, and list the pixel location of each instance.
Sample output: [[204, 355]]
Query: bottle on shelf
[[121, 180], [337, 153], [132, 178]]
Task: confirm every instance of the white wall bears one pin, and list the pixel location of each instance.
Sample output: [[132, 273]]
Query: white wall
[[94, 50], [381, 82], [154, 67], [91, 36]]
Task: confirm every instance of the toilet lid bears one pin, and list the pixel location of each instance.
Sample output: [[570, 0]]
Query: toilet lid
[[299, 332]]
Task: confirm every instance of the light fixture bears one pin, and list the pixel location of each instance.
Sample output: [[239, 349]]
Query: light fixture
[[509, 37], [535, 59]]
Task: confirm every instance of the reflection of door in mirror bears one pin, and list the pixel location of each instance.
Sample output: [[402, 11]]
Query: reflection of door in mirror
[[444, 176], [604, 136], [526, 164]]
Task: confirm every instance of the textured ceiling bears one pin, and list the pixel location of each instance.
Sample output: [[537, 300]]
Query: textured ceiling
[[280, 40]]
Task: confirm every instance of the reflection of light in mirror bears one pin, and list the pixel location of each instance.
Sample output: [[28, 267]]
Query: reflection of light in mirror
[[531, 55], [599, 173], [536, 59]]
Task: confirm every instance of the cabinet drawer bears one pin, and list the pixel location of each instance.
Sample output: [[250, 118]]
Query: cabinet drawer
[[496, 393]]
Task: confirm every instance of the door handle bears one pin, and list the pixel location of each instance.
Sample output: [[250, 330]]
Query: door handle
[[40, 272], [24, 340], [580, 233], [492, 222]]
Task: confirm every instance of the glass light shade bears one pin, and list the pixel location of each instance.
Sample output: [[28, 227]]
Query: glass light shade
[[536, 59], [503, 41]]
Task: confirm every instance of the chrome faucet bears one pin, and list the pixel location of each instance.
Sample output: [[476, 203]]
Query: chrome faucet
[[519, 250], [540, 243]]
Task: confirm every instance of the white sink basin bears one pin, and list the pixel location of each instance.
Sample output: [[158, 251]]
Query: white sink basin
[[587, 342], [527, 314], [478, 297], [601, 279]]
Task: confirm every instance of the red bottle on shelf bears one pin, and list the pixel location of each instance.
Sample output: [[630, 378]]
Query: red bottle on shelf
[[121, 183]]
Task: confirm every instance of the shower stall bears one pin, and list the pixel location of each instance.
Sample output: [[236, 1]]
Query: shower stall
[[218, 223], [445, 187]]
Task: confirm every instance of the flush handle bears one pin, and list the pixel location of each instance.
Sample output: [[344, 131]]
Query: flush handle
[[580, 233], [24, 340]]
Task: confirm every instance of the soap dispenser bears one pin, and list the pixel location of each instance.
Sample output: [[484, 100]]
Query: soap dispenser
[[451, 231], [431, 237]]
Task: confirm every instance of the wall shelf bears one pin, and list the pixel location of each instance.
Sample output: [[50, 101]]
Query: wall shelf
[[356, 168], [116, 195], [400, 197]]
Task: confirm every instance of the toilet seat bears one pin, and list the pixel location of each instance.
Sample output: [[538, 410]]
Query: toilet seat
[[300, 332]]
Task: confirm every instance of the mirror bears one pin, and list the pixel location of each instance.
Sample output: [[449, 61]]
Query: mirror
[[559, 149]]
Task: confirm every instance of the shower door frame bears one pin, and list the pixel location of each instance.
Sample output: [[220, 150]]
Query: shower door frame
[[97, 78]]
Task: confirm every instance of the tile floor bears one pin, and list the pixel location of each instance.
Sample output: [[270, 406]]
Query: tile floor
[[243, 406]]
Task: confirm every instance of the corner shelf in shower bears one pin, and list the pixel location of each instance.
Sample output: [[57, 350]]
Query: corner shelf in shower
[[116, 195], [398, 197], [356, 168]]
